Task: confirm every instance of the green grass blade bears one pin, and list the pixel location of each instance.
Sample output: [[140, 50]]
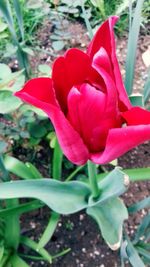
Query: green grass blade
[[17, 7], [132, 46], [33, 245], [21, 208], [52, 224]]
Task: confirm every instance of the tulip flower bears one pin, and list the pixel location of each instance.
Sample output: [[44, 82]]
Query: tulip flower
[[87, 103]]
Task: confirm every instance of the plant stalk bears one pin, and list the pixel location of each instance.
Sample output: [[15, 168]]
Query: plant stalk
[[92, 172]]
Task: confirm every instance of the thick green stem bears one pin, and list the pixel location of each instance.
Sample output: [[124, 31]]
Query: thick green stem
[[93, 179], [57, 162]]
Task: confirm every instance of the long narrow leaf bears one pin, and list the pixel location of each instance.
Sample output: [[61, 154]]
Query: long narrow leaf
[[132, 46], [147, 89], [6, 11], [52, 224], [144, 203], [33, 245], [17, 7]]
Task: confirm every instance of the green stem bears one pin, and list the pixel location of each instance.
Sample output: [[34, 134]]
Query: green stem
[[74, 173], [93, 179], [57, 162]]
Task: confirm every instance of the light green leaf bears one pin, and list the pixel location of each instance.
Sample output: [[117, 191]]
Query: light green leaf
[[45, 69], [8, 102], [49, 231], [17, 167], [138, 174], [3, 26], [5, 71], [1, 251], [58, 45], [132, 46], [110, 217], [28, 50], [114, 184], [62, 197], [16, 261], [33, 245]]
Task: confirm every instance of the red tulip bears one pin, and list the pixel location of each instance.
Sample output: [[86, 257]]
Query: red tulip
[[87, 103]]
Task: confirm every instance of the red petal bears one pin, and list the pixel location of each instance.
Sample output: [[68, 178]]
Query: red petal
[[101, 59], [68, 71], [39, 93], [86, 111], [105, 38], [136, 116], [40, 89], [120, 141]]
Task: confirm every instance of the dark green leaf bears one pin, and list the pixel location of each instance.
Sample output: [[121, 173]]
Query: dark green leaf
[[137, 100]]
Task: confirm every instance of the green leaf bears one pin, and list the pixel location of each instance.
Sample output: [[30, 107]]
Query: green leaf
[[144, 203], [21, 208], [132, 46], [138, 174], [52, 224], [45, 69], [114, 184], [17, 167], [147, 89], [137, 100], [39, 112], [18, 9], [28, 50], [110, 217], [2, 249], [33, 245], [58, 45], [5, 71], [3, 146], [8, 102], [143, 252], [6, 11], [3, 26], [36, 131], [142, 228], [133, 255], [62, 197], [16, 261]]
